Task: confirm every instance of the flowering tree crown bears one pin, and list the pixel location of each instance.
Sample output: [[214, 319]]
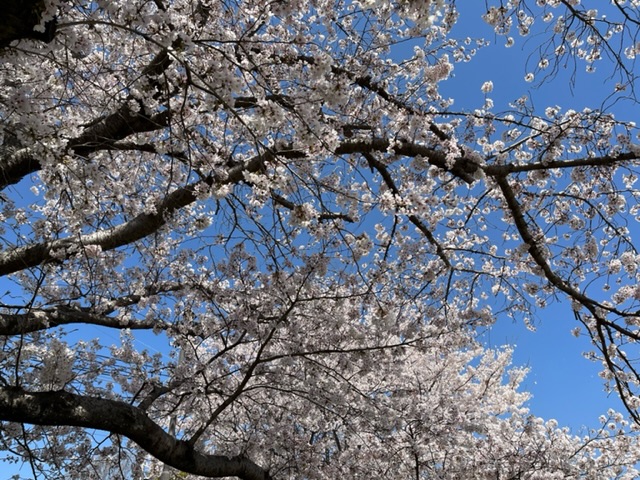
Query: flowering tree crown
[[281, 196]]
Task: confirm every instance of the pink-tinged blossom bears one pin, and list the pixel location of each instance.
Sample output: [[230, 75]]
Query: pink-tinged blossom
[[487, 87]]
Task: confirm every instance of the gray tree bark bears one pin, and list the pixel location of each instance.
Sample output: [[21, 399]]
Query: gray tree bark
[[64, 408]]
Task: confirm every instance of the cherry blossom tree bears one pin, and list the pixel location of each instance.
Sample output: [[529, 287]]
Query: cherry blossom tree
[[253, 239]]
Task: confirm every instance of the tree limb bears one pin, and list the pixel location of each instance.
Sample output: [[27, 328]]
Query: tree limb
[[129, 232], [386, 176], [64, 408], [14, 166], [42, 319], [100, 133], [147, 223], [606, 160], [463, 167]]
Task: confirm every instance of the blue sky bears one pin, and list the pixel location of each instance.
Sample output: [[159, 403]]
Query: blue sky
[[564, 384]]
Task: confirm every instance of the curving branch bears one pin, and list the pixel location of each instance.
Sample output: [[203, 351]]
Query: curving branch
[[126, 233], [464, 168], [129, 232], [602, 325], [525, 229], [18, 161], [15, 165], [64, 408]]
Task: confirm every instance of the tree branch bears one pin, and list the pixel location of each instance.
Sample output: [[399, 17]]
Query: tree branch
[[42, 319], [534, 245], [137, 228], [145, 224], [536, 252], [64, 408], [463, 167], [126, 233], [14, 166], [607, 160], [17, 163], [386, 176]]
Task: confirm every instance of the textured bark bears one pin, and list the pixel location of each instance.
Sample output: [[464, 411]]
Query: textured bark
[[124, 234], [36, 320], [63, 408], [18, 161], [16, 164]]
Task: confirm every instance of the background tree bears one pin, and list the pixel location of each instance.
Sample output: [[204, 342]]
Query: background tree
[[313, 235]]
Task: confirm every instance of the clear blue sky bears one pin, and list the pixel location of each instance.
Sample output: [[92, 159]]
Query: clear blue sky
[[564, 384]]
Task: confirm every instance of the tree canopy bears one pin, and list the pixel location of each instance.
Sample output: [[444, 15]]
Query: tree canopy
[[254, 239]]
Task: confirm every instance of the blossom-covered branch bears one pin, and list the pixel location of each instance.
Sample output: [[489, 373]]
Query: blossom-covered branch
[[63, 408]]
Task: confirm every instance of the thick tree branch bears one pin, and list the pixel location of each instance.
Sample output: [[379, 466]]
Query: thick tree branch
[[145, 224], [63, 408], [525, 228], [15, 165], [124, 234], [117, 126], [42, 319], [607, 160], [463, 167]]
